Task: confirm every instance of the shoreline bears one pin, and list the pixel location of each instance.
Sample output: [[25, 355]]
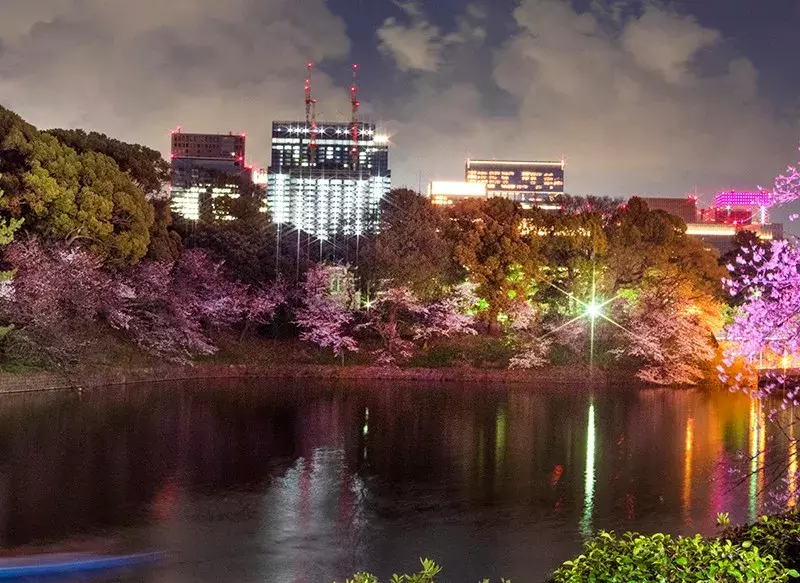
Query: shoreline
[[27, 382]]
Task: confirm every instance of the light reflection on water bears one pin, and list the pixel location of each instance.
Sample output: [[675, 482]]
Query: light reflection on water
[[243, 481]]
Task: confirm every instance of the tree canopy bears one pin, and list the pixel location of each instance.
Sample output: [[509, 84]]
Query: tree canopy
[[63, 195], [146, 167]]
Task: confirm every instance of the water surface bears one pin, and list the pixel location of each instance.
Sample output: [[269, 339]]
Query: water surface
[[245, 481]]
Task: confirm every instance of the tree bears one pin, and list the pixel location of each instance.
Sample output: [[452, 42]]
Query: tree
[[410, 250], [672, 335], [246, 243], [525, 334], [165, 242], [741, 262], [396, 316], [55, 302], [146, 167], [499, 259], [63, 195], [322, 319]]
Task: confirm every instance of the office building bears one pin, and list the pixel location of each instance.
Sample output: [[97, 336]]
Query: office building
[[446, 193], [731, 213], [323, 181], [529, 183], [205, 167], [685, 208]]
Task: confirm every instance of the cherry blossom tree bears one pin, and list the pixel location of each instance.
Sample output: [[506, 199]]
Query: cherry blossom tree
[[53, 305], [526, 335], [672, 335], [322, 319], [452, 315], [767, 326], [396, 316], [787, 186]]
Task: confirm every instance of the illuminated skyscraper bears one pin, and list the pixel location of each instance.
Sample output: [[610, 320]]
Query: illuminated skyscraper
[[205, 167], [328, 184], [529, 183]]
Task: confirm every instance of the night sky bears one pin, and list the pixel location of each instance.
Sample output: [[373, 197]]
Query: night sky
[[651, 98]]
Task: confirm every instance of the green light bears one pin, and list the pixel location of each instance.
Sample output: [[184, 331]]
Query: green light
[[593, 310]]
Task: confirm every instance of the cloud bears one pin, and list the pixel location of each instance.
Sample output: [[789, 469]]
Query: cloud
[[632, 105], [138, 69], [421, 46]]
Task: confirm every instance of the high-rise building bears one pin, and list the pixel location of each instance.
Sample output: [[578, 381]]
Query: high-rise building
[[529, 183], [742, 208], [324, 182], [205, 167]]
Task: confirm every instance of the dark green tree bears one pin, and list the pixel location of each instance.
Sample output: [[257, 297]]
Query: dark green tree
[[410, 249], [245, 241], [146, 167], [62, 195]]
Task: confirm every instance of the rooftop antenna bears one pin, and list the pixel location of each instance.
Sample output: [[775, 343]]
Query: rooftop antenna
[[354, 119], [311, 116]]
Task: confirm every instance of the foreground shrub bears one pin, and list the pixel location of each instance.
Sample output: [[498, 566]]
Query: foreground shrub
[[427, 574], [778, 536], [660, 557]]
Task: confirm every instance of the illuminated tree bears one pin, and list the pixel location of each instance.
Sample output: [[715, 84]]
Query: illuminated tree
[[787, 186], [531, 345], [322, 319], [491, 244], [397, 317]]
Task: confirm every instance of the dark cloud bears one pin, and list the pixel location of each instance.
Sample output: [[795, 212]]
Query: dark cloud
[[621, 90]]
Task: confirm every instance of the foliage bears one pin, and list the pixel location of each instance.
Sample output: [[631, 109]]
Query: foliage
[[165, 242], [64, 195], [54, 303], [525, 334], [396, 316], [499, 258], [427, 574], [409, 250], [777, 535], [146, 167], [61, 302], [322, 319], [672, 335], [741, 262], [660, 557], [246, 244]]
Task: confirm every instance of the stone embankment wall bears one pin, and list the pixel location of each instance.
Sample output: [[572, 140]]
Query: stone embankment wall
[[87, 379]]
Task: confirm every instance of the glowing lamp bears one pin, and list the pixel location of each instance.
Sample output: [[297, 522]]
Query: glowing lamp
[[593, 310]]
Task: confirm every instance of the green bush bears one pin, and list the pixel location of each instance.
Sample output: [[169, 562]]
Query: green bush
[[426, 575], [778, 536], [660, 557]]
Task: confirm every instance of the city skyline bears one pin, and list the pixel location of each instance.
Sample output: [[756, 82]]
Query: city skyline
[[640, 98]]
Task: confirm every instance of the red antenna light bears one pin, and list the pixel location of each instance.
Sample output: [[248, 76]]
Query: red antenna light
[[311, 116], [354, 120]]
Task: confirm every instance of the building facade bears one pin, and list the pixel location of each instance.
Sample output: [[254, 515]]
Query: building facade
[[529, 183], [447, 193], [685, 208], [205, 167], [323, 182]]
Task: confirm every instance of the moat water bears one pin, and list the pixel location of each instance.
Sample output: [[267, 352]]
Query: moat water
[[267, 481]]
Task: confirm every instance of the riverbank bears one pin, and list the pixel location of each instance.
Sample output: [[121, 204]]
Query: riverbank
[[122, 375]]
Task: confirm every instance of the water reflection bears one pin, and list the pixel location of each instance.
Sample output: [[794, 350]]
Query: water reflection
[[251, 482], [687, 471], [588, 487]]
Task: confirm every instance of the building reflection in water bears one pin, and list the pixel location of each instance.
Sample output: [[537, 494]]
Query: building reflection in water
[[589, 478]]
